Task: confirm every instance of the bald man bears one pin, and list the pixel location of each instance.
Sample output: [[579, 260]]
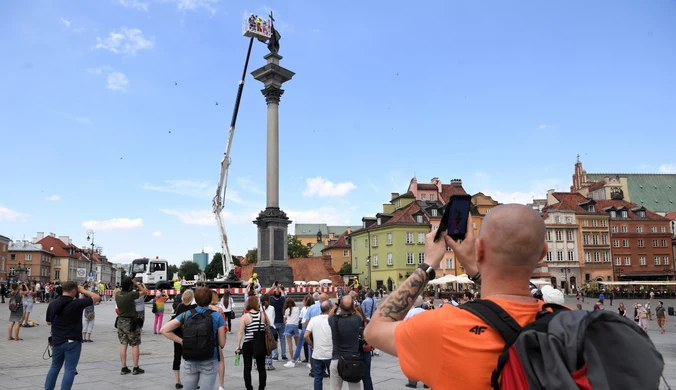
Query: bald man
[[450, 347]]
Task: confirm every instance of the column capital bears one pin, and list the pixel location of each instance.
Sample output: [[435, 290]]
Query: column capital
[[272, 94]]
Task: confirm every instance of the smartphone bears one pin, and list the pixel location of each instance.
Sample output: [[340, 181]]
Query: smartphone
[[454, 219]]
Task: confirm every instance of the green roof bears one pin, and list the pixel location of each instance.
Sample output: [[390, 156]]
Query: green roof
[[316, 250], [654, 191], [311, 229]]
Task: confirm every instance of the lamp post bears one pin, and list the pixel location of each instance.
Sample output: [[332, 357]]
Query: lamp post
[[368, 266], [565, 272], [90, 237]]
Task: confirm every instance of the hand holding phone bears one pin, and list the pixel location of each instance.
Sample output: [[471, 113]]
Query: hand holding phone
[[455, 218]]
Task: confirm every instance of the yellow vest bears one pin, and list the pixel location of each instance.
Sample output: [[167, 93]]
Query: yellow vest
[[177, 285]]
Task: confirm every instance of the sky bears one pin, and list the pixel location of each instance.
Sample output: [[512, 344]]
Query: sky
[[503, 95]]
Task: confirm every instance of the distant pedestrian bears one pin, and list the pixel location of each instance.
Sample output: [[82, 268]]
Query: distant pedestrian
[[642, 317], [610, 297], [16, 315], [601, 298], [3, 292], [88, 318], [64, 315], [661, 315], [186, 305], [158, 306]]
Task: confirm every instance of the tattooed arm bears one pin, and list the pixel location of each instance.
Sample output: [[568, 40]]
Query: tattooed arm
[[380, 331]]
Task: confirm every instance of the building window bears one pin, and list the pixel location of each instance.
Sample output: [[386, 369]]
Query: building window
[[624, 229], [421, 238], [657, 260], [654, 243], [592, 209], [549, 236], [434, 212], [604, 223], [375, 260], [346, 253], [597, 257], [449, 264], [12, 256], [587, 257], [614, 229], [595, 223], [389, 238], [618, 261], [666, 260], [569, 235], [569, 219], [653, 229], [389, 259], [356, 262], [379, 221], [585, 238], [559, 235], [409, 238], [625, 243], [571, 256], [641, 260], [663, 229], [624, 214], [664, 243], [57, 275], [423, 197], [419, 218], [596, 239], [28, 257], [375, 240], [585, 223], [432, 197], [409, 258], [587, 277], [559, 255], [473, 225], [639, 229], [557, 219], [435, 227], [613, 214], [640, 243], [641, 214], [616, 243], [606, 257], [11, 271], [627, 260], [421, 257], [604, 239], [549, 256]]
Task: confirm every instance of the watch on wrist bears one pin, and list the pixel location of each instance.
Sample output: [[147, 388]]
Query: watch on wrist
[[428, 270]]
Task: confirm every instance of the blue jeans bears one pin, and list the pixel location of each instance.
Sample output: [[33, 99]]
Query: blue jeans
[[368, 382], [280, 332], [199, 373], [320, 367], [299, 347], [70, 354]]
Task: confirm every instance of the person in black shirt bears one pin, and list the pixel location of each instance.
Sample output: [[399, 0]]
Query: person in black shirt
[[349, 322], [64, 314]]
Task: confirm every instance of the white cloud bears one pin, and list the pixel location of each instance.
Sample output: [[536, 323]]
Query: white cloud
[[537, 190], [117, 82], [53, 197], [157, 233], [196, 4], [207, 218], [126, 41], [208, 249], [114, 224], [328, 215], [542, 126], [136, 4], [196, 188], [125, 257], [321, 187], [668, 168], [247, 185], [65, 22], [80, 119], [9, 215]]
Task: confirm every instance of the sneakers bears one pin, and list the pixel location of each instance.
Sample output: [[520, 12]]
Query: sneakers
[[284, 358], [179, 386], [125, 371], [220, 388], [290, 364], [137, 371], [309, 366]]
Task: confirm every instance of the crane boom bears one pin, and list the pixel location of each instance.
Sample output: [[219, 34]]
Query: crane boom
[[219, 199]]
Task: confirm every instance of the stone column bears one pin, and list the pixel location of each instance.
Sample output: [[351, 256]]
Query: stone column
[[272, 222]]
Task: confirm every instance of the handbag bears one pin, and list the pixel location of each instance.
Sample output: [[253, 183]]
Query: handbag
[[232, 314], [270, 341], [154, 308], [363, 345], [351, 366], [14, 303]]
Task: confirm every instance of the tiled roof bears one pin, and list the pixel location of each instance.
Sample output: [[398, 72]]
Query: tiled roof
[[672, 215], [340, 243], [26, 246], [406, 195], [597, 185], [654, 191], [570, 201], [60, 249], [427, 187], [605, 204], [448, 189]]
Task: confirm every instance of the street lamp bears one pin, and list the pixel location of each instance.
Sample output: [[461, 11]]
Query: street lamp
[[90, 237], [368, 265]]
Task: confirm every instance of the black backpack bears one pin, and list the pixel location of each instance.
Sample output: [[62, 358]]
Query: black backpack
[[199, 340], [565, 350]]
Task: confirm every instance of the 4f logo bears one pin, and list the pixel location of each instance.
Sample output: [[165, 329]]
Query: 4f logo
[[477, 330]]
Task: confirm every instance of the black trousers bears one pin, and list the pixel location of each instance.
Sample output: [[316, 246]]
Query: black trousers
[[305, 349], [178, 353], [229, 322], [247, 355]]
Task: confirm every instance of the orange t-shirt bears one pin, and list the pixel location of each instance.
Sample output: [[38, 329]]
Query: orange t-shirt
[[444, 349]]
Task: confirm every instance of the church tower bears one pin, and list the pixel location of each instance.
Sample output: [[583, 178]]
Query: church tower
[[580, 176]]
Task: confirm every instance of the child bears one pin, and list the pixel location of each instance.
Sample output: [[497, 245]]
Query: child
[[158, 303]]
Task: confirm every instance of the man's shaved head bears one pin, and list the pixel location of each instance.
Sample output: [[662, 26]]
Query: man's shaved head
[[511, 235], [325, 297]]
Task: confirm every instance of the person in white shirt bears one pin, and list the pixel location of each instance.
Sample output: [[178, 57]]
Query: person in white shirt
[[321, 343], [228, 305], [291, 318]]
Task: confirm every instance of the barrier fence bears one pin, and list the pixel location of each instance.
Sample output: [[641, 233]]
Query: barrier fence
[[235, 291]]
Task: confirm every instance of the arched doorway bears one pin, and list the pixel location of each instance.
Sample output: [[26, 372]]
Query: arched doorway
[[389, 284], [553, 281], [573, 283]]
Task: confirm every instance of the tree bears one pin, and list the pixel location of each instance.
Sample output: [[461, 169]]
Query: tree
[[296, 247], [235, 261], [215, 267], [188, 269], [252, 256], [172, 271], [123, 274], [345, 269]]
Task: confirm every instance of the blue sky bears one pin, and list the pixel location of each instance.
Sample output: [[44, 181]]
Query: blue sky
[[500, 94]]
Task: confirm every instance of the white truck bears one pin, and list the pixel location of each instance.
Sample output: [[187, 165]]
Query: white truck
[[152, 272]]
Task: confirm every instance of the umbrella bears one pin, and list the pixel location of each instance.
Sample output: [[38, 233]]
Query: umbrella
[[443, 280], [313, 283], [540, 282], [299, 282], [463, 279], [325, 281]]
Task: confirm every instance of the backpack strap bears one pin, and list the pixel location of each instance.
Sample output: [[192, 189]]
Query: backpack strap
[[496, 317]]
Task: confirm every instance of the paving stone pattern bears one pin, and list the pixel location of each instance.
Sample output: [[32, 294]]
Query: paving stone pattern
[[22, 365]]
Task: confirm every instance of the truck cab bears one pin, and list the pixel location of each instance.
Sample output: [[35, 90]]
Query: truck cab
[[152, 272]]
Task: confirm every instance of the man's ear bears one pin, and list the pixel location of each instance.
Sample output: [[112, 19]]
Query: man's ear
[[479, 250], [545, 249]]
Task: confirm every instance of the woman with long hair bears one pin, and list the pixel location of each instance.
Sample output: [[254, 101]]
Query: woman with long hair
[[28, 304], [185, 305], [250, 324], [622, 310], [229, 308], [270, 313], [291, 318], [16, 316]]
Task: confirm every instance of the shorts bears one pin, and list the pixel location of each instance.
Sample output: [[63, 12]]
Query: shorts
[[125, 334], [660, 322], [291, 330]]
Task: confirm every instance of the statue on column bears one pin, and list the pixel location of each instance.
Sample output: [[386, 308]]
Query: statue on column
[[273, 42]]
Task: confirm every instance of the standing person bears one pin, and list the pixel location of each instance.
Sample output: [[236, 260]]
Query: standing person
[[601, 298], [611, 295], [345, 333], [650, 313], [88, 317], [198, 373], [178, 299], [3, 292], [38, 293], [160, 299], [319, 337], [365, 355], [291, 318], [368, 306], [307, 302], [64, 315], [277, 301], [28, 304], [642, 317], [229, 308], [249, 336], [622, 310], [16, 315], [185, 306], [217, 307], [102, 288], [660, 314], [140, 308], [128, 324], [270, 315]]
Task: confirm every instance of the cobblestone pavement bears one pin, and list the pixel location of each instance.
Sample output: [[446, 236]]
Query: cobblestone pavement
[[22, 365]]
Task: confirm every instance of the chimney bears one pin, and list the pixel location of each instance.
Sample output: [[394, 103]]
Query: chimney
[[436, 182], [349, 230], [456, 183], [395, 195], [39, 237], [64, 239]]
